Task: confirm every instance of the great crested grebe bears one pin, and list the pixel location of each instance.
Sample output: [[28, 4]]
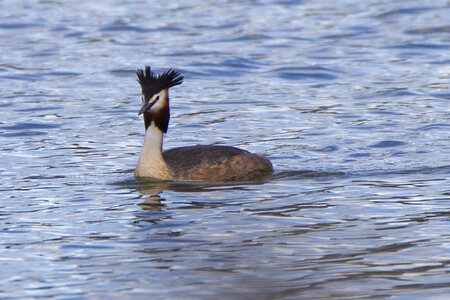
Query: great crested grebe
[[202, 162]]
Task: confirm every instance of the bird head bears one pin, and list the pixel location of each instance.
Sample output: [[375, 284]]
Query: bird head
[[155, 88]]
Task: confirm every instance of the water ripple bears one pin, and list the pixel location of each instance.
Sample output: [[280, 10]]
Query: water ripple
[[350, 103], [386, 144]]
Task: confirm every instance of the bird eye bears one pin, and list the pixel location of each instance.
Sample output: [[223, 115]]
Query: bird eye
[[157, 98]]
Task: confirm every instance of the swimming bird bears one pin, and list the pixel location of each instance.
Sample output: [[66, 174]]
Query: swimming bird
[[201, 162]]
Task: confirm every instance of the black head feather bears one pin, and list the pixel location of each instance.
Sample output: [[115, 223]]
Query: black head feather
[[152, 84]]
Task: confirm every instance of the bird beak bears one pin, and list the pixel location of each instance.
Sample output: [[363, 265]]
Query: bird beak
[[146, 107]]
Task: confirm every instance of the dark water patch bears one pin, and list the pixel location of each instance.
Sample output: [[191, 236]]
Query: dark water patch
[[404, 11], [126, 27], [225, 24], [282, 2], [381, 111], [433, 127], [441, 61], [68, 245], [122, 27], [22, 77], [23, 133], [418, 46], [250, 37], [429, 30], [360, 28], [388, 144], [19, 25], [287, 211], [169, 29], [240, 62], [27, 129], [44, 177], [62, 73], [392, 92], [6, 104], [23, 126], [123, 73], [75, 34], [394, 247], [341, 35], [302, 76], [399, 153], [416, 288], [441, 95], [362, 154], [397, 92], [20, 68], [59, 28], [331, 148], [45, 52], [364, 127], [253, 38], [324, 57], [305, 73]]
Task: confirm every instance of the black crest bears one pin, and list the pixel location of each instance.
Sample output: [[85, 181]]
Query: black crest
[[152, 84]]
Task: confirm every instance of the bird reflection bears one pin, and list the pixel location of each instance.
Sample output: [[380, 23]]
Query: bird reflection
[[151, 191]]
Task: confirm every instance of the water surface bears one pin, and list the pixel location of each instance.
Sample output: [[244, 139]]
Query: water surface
[[349, 100]]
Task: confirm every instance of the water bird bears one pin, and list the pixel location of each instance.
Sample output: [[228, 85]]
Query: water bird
[[201, 162]]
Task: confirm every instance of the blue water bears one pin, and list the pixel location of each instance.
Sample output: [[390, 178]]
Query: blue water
[[349, 100]]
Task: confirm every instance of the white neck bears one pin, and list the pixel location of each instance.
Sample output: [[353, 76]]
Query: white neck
[[151, 162]]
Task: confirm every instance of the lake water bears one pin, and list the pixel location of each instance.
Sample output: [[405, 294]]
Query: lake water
[[349, 100]]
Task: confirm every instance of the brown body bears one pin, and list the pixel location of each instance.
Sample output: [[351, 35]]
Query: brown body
[[216, 163]]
